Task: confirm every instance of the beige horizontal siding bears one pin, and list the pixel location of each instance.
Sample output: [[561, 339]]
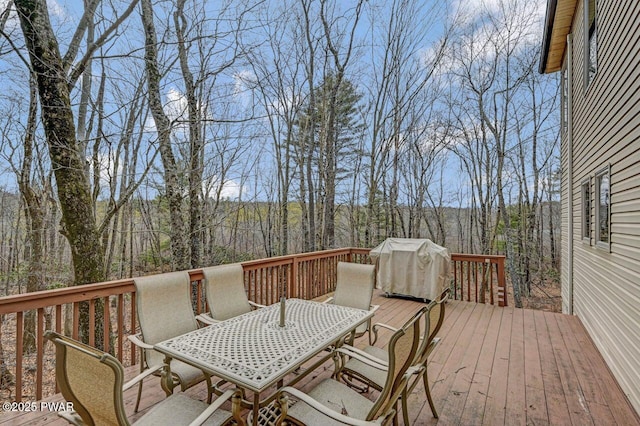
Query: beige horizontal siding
[[606, 131], [564, 221]]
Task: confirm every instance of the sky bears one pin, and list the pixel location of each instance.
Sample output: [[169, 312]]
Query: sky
[[64, 15]]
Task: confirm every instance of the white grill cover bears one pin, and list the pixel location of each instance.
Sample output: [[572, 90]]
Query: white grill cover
[[412, 267]]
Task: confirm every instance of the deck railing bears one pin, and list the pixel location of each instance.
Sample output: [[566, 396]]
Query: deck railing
[[304, 276], [478, 278]]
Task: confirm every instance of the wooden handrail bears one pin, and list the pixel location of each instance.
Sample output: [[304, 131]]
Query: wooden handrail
[[305, 275]]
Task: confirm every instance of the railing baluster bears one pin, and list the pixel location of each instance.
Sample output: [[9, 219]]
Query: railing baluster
[[58, 330], [76, 320], [92, 322], [58, 318], [120, 326], [491, 280], [475, 279], [455, 278], [106, 334], [469, 280], [19, 353], [133, 328], [39, 353]]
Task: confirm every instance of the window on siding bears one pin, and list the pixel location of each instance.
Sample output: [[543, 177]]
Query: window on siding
[[586, 209], [591, 57], [603, 207]]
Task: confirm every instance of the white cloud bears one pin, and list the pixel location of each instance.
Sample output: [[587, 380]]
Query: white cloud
[[517, 16], [229, 189], [243, 81], [107, 170], [176, 105], [176, 109], [56, 9], [13, 23]]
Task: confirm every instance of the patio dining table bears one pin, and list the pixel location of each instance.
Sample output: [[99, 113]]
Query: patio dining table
[[254, 352]]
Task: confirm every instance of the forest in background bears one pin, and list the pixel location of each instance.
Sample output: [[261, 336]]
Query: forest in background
[[144, 136]]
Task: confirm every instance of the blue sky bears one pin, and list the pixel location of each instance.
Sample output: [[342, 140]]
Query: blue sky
[[252, 173]]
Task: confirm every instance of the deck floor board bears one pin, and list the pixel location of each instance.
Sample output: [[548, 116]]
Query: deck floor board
[[493, 366]]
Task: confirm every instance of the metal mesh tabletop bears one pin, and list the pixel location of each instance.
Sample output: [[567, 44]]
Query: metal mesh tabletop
[[253, 351]]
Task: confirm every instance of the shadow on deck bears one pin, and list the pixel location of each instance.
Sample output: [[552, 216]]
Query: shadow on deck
[[493, 366]]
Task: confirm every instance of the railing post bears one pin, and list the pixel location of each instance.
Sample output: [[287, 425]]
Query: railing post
[[502, 283]]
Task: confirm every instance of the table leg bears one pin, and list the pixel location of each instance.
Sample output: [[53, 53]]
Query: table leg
[[256, 407], [166, 381]]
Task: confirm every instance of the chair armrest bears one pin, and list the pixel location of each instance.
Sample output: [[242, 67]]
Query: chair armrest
[[140, 377], [136, 339], [206, 319], [326, 410], [329, 300], [256, 305], [374, 308], [375, 328], [364, 357], [213, 407], [385, 326]]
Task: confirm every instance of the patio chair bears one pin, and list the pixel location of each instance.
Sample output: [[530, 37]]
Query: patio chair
[[163, 304], [94, 382], [363, 364], [332, 402], [226, 297], [354, 288]]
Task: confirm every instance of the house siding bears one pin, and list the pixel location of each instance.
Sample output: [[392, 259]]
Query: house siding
[[564, 222], [606, 131]]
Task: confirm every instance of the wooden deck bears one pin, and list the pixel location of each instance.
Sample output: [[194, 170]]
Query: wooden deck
[[493, 366]]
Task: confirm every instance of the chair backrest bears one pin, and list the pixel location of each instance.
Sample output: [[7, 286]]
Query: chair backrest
[[436, 314], [91, 379], [164, 309], [432, 324], [354, 288], [224, 287], [402, 348], [354, 285]]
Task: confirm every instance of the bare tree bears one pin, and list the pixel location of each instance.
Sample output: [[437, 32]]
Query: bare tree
[[499, 121], [277, 81], [74, 190], [401, 73], [55, 75], [179, 247]]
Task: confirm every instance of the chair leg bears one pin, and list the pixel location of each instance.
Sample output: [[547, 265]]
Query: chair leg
[[428, 392], [209, 389], [405, 409], [135, 410], [142, 362]]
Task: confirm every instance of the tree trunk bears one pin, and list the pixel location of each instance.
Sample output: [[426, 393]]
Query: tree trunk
[[179, 248], [196, 143], [74, 191], [34, 215]]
